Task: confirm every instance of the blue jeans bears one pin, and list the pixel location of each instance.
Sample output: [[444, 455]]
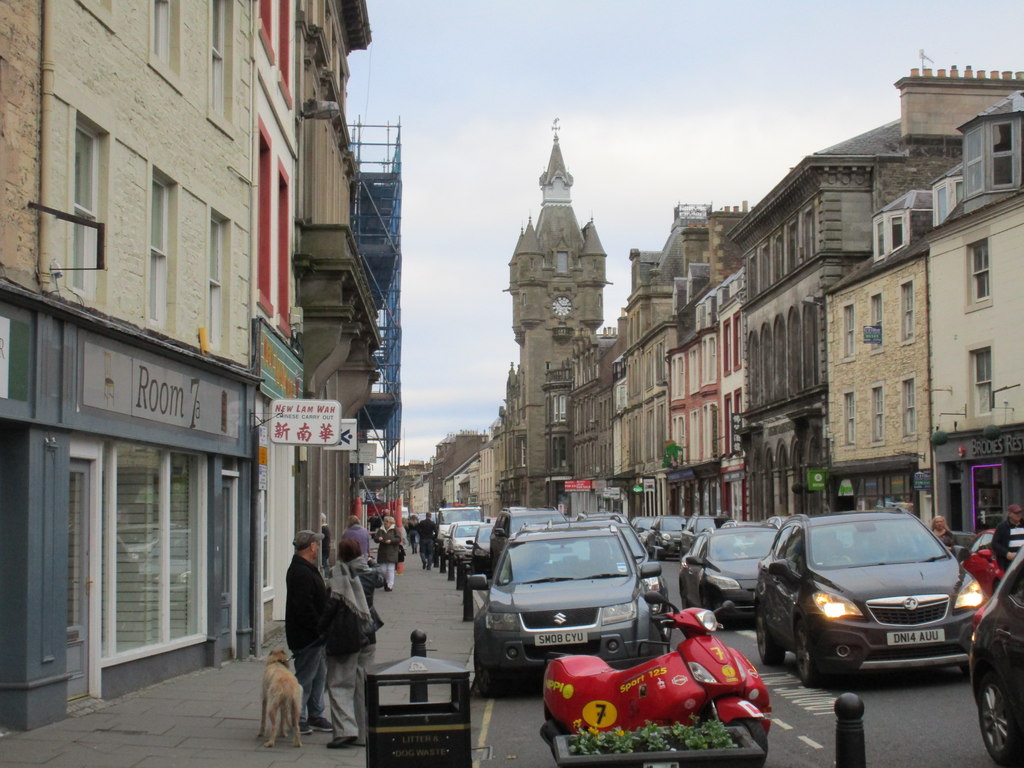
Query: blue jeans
[[414, 540], [311, 672], [427, 551]]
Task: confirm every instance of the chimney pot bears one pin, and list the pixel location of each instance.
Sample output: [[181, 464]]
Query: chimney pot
[[980, 74], [968, 72], [915, 72], [744, 206], [942, 73], [1007, 74], [927, 71], [953, 71], [994, 74]]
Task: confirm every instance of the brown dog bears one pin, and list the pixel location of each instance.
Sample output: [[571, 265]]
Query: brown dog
[[282, 697]]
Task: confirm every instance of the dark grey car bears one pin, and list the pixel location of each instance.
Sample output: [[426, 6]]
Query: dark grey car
[[574, 591]]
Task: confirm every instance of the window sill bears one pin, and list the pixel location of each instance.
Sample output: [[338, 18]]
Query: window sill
[[151, 650], [979, 305], [167, 72], [222, 124]]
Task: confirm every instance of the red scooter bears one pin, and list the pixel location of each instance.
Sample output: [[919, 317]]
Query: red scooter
[[703, 678]]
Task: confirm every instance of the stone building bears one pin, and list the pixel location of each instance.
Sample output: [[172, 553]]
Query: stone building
[[812, 229], [877, 334], [556, 280], [449, 455], [975, 288]]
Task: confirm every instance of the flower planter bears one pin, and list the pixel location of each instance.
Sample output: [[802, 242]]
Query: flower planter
[[746, 754]]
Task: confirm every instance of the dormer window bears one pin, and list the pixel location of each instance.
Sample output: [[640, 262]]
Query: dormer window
[[946, 194], [992, 156], [890, 232]]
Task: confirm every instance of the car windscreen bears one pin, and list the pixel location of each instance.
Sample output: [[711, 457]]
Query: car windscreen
[[854, 543], [464, 530], [672, 523], [741, 546], [518, 521], [534, 561]]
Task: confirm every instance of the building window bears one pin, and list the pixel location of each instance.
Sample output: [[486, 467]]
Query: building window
[[155, 571], [559, 406], [558, 451], [265, 201], [737, 353], [86, 205], [162, 30], [562, 262], [284, 31], [807, 234], [981, 371], [980, 288], [284, 261], [890, 233], [909, 408], [158, 248], [1002, 154], [849, 331], [849, 418], [907, 311], [727, 347], [879, 238], [876, 309], [218, 50], [974, 162], [215, 319], [877, 414]]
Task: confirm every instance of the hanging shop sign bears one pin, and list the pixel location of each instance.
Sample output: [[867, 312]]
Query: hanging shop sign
[[578, 485], [305, 422], [816, 479]]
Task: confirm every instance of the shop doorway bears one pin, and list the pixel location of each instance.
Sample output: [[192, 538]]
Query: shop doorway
[[225, 563], [79, 583]]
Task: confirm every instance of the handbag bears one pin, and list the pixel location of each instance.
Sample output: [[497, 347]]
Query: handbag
[[345, 633], [401, 553]]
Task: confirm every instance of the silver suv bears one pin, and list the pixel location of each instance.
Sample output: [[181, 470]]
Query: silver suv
[[574, 591]]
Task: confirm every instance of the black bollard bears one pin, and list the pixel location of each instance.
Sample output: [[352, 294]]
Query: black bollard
[[467, 601], [460, 574], [850, 732], [451, 567], [442, 565], [418, 638]]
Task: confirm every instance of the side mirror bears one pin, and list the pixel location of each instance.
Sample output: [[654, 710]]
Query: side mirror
[[478, 581], [500, 533], [962, 553], [656, 598], [780, 568], [986, 553], [649, 570], [696, 560]]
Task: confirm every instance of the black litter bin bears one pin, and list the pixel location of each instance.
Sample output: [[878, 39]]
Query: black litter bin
[[418, 734]]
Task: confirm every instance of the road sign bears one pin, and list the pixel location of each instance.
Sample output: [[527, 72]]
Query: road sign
[[347, 437]]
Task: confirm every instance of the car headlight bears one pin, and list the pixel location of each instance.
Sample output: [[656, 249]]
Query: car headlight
[[616, 614], [834, 606], [723, 582], [666, 537], [503, 622], [970, 595]]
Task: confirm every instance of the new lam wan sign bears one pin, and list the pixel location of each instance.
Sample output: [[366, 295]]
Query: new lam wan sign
[[305, 422]]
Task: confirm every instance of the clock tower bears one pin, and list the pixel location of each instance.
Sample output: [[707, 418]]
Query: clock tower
[[556, 280]]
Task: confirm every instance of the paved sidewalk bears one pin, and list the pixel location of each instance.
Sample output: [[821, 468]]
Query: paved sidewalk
[[210, 717]]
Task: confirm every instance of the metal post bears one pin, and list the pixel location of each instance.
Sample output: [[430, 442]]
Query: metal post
[[442, 566], [460, 574], [467, 600], [451, 567], [850, 732], [418, 638]]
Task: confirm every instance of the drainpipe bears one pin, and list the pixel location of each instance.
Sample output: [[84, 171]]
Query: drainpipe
[[45, 233]]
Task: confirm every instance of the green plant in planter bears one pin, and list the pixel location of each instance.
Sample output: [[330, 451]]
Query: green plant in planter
[[711, 734]]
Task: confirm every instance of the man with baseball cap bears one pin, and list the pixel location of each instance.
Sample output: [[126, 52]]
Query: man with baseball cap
[[1008, 537], [306, 601]]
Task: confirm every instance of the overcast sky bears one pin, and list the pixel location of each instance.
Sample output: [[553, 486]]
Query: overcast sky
[[659, 102]]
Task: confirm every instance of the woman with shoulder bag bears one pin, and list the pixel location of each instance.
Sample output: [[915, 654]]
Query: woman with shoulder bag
[[389, 541], [350, 625]]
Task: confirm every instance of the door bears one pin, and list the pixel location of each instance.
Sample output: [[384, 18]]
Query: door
[[78, 580], [224, 563]]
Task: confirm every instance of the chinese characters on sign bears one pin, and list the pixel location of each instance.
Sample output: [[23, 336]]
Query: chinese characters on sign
[[305, 422]]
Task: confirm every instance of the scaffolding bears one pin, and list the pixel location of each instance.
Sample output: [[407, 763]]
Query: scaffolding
[[376, 224]]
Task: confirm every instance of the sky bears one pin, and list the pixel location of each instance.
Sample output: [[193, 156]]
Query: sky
[[658, 102]]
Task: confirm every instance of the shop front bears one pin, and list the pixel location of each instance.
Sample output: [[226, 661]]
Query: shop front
[[874, 483], [978, 476], [126, 479]]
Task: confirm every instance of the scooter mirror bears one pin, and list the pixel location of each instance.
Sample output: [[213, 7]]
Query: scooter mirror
[[727, 607]]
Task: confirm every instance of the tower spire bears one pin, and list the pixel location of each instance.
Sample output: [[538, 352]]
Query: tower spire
[[556, 181]]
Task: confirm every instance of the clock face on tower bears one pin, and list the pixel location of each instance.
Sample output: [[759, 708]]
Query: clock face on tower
[[561, 306]]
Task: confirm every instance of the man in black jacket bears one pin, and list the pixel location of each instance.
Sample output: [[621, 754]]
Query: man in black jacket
[[428, 531], [305, 604], [1008, 537]]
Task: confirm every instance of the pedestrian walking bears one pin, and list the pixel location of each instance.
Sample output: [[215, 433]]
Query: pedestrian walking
[[412, 534], [325, 546], [351, 586], [427, 529], [389, 542], [304, 606], [939, 529], [1008, 537], [359, 534]]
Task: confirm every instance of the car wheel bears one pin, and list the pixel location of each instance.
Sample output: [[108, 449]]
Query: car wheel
[[487, 682], [805, 665], [999, 730], [767, 648], [756, 730]]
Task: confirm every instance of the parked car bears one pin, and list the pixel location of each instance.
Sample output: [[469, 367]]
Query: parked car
[[663, 537], [980, 561], [997, 675], [458, 543], [480, 553], [447, 516], [512, 519], [642, 524], [860, 592], [569, 590], [694, 525], [722, 565]]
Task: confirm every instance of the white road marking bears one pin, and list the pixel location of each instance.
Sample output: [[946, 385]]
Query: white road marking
[[747, 633], [782, 725], [810, 742]]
